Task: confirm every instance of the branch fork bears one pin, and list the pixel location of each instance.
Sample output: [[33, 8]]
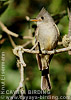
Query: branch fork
[[18, 51]]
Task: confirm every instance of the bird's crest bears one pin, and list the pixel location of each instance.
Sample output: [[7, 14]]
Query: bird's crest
[[42, 12]]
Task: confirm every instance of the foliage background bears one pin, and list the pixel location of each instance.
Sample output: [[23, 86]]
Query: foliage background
[[12, 14]]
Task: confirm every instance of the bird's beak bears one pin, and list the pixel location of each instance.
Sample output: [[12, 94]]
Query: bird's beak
[[35, 20]]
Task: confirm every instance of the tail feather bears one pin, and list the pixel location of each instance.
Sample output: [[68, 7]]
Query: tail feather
[[43, 62], [45, 83], [39, 62], [45, 80]]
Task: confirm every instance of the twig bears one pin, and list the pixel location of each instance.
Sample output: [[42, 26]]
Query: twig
[[69, 15], [27, 43], [48, 52], [16, 91], [20, 87], [22, 80], [69, 31], [12, 42], [28, 37], [34, 46], [18, 52], [4, 28], [14, 45], [20, 55]]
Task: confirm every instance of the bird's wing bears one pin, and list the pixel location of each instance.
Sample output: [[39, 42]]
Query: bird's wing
[[38, 57], [57, 30]]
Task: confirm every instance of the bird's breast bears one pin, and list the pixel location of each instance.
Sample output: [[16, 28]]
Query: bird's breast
[[47, 36]]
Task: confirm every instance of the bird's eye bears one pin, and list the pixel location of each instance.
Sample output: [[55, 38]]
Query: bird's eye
[[42, 18]]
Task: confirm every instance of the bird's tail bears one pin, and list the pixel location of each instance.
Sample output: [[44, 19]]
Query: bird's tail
[[43, 62], [45, 80]]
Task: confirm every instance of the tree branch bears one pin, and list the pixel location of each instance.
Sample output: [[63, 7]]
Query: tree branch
[[4, 28], [21, 64], [27, 43], [48, 52], [69, 14], [12, 42]]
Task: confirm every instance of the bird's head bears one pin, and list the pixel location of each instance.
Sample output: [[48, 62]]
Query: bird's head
[[42, 17]]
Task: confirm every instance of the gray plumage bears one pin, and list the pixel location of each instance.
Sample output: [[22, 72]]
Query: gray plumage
[[47, 35]]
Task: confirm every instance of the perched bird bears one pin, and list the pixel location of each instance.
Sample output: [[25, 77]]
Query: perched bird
[[46, 35]]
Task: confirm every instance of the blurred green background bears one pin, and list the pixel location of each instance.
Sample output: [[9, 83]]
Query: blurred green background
[[12, 14]]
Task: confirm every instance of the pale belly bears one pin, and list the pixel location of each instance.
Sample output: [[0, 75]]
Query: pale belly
[[48, 37]]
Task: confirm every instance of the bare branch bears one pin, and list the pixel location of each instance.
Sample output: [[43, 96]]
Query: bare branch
[[4, 28], [34, 46], [27, 43], [69, 31], [16, 91], [48, 52], [28, 37], [12, 42], [20, 87], [18, 52]]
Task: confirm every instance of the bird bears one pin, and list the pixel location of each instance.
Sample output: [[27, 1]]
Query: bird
[[47, 35]]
